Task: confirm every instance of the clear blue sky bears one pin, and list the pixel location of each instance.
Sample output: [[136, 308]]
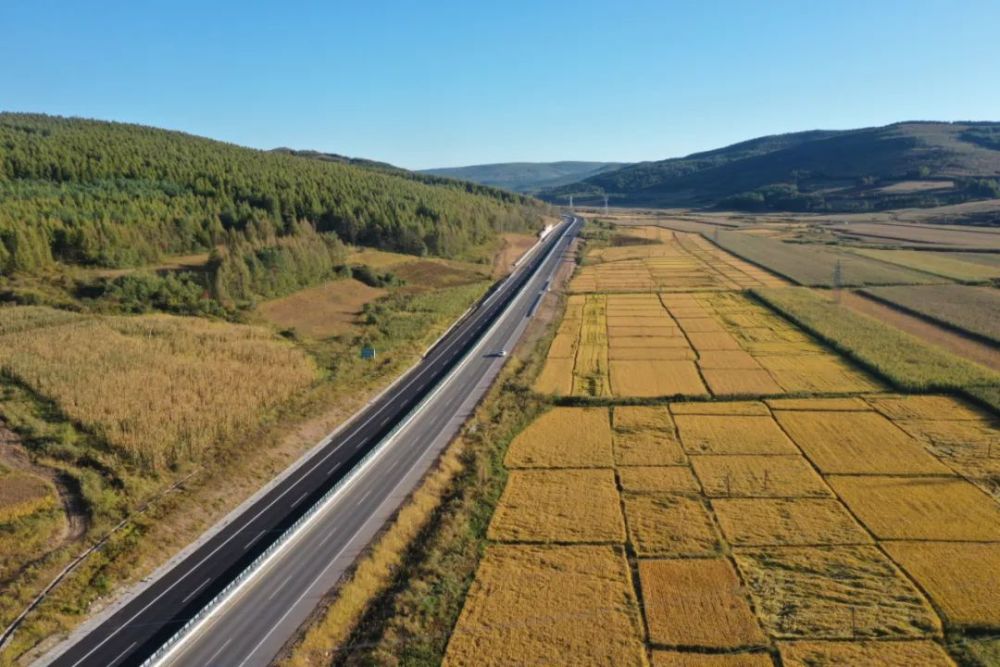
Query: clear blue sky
[[424, 84]]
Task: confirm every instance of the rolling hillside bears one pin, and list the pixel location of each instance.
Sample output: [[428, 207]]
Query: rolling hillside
[[905, 164], [527, 177]]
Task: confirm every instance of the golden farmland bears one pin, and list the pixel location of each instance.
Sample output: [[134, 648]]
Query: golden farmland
[[547, 605], [776, 507], [643, 346]]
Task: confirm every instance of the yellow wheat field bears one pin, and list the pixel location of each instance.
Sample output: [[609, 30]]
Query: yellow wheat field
[[556, 377], [920, 508], [732, 434], [970, 447], [924, 653], [815, 373], [740, 382], [160, 390], [559, 506], [669, 525], [727, 360], [697, 602], [645, 435], [550, 606], [924, 407], [678, 659], [847, 404], [787, 522], [659, 479], [697, 325], [655, 378], [712, 341], [746, 408], [857, 443], [564, 438], [850, 592], [960, 577], [744, 476]]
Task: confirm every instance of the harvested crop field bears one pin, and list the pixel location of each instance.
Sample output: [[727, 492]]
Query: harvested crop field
[[924, 653], [564, 438], [549, 605], [559, 506], [697, 602], [953, 265], [920, 508], [960, 577], [834, 593]]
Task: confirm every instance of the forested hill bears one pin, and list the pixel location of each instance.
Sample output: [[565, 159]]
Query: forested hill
[[526, 177], [905, 164], [119, 195]]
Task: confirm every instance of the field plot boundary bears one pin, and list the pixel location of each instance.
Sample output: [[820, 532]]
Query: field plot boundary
[[944, 324]]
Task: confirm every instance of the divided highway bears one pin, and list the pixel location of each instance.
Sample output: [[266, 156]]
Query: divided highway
[[409, 425]]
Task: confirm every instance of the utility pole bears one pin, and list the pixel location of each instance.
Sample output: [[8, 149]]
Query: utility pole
[[838, 280]]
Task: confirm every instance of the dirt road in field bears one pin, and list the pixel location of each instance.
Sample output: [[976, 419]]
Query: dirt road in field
[[956, 343]]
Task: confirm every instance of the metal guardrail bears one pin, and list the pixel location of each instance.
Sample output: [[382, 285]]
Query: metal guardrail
[[292, 531]]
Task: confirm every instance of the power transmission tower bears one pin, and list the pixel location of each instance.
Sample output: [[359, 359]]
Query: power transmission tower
[[605, 204], [571, 203]]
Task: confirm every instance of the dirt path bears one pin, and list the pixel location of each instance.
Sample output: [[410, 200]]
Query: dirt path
[[15, 456], [514, 245], [956, 343]]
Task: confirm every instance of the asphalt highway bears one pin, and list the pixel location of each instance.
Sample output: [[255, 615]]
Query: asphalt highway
[[414, 420]]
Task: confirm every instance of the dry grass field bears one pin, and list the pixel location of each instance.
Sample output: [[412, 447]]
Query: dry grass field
[[697, 602], [23, 494], [564, 438], [549, 605], [160, 390], [326, 310], [561, 506]]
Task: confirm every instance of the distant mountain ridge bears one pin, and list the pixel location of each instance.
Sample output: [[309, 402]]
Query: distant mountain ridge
[[526, 177], [928, 163]]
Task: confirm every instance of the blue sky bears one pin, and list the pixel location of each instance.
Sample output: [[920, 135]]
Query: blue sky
[[424, 84]]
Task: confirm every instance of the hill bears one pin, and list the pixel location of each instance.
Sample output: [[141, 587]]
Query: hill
[[93, 193], [526, 177], [904, 164]]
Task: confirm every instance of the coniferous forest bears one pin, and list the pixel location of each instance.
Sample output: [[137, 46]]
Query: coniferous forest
[[117, 195]]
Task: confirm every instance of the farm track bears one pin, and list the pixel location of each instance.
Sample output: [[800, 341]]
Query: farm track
[[964, 346]]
